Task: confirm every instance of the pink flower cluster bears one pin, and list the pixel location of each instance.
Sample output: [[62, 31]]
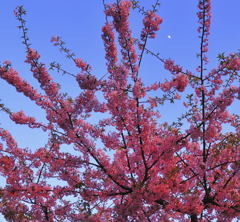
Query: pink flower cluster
[[81, 64], [151, 24], [6, 163], [6, 136], [204, 16], [41, 74], [170, 66], [110, 46], [119, 76], [13, 78], [120, 13], [87, 81], [194, 132], [138, 90], [166, 86], [45, 80], [226, 98], [32, 55], [180, 82], [21, 118], [7, 63], [55, 40], [149, 169], [212, 133], [233, 63], [40, 190]]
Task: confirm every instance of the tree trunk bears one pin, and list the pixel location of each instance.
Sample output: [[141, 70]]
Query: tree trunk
[[194, 218]]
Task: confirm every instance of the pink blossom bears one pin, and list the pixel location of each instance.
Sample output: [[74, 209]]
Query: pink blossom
[[110, 46], [87, 81], [7, 63], [55, 39], [6, 163], [166, 86], [138, 90], [204, 16], [21, 118], [81, 64], [233, 63], [120, 14], [110, 148], [180, 82], [169, 65], [211, 133], [151, 24], [32, 55], [13, 78]]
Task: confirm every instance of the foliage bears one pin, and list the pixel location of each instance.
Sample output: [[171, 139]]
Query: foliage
[[128, 166]]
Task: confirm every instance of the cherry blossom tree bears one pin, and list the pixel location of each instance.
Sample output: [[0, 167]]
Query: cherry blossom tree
[[128, 166]]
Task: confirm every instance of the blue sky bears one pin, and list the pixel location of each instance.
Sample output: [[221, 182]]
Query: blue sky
[[79, 24]]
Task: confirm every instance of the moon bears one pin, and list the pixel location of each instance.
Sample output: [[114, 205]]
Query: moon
[[169, 36]]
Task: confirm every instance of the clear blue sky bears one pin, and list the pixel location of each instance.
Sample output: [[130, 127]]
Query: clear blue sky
[[79, 24]]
